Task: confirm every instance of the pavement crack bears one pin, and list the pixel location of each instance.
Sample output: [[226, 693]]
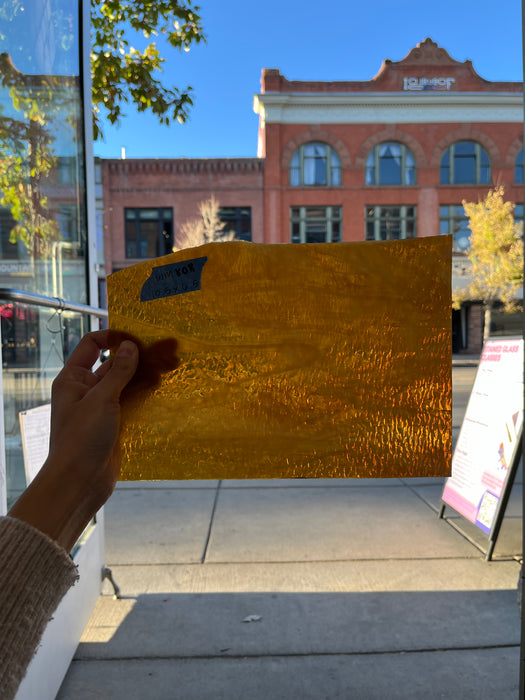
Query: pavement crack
[[297, 655], [212, 519]]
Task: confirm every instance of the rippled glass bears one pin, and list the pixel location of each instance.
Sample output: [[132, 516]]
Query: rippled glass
[[321, 360]]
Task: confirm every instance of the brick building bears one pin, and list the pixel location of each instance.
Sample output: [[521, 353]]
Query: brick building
[[387, 158]]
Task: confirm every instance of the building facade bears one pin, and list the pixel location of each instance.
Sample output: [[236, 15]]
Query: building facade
[[392, 157]]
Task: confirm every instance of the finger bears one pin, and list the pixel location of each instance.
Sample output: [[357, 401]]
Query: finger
[[87, 352], [121, 371], [72, 384]]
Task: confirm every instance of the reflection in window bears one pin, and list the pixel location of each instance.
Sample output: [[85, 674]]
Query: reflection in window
[[20, 330], [68, 220], [518, 168], [67, 170], [315, 224], [238, 220], [315, 164], [390, 223], [390, 163], [149, 232], [465, 163], [453, 220], [41, 148], [8, 250], [41, 152]]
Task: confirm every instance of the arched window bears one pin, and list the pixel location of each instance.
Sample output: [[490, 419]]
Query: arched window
[[315, 164], [390, 163], [465, 163], [518, 168]]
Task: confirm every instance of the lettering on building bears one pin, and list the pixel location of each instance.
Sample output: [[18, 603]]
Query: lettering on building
[[15, 268], [419, 84]]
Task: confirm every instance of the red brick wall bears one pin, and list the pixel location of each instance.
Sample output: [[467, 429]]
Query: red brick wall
[[353, 142], [178, 184]]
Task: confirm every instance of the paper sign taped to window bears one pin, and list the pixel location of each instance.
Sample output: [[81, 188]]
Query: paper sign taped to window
[[317, 360]]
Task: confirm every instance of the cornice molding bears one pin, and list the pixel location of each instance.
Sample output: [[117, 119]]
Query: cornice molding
[[184, 166], [304, 108]]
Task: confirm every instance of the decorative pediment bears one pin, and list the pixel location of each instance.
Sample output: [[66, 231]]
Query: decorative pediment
[[428, 66], [427, 53]]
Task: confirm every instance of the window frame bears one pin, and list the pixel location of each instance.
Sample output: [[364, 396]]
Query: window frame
[[518, 212], [377, 218], [234, 221], [333, 219], [479, 151], [450, 214], [375, 155], [164, 243], [333, 169], [518, 168]]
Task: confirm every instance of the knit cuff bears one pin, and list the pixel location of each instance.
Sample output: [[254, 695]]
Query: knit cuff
[[35, 574]]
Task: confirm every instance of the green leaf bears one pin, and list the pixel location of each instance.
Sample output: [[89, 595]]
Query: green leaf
[[121, 73]]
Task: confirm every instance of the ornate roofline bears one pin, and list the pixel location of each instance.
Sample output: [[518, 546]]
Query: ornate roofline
[[427, 56]]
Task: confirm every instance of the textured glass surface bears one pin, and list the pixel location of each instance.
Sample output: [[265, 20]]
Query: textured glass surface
[[323, 360]]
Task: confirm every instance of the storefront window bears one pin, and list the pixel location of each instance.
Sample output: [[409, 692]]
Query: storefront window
[[43, 231], [41, 150]]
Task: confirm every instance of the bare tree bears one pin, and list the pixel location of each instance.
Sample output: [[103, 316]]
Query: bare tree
[[206, 228]]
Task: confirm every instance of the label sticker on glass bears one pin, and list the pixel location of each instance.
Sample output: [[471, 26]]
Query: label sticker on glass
[[176, 278]]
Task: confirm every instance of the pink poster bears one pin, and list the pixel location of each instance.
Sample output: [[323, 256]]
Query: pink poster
[[489, 435]]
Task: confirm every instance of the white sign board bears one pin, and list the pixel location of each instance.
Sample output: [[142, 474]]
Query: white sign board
[[490, 434], [35, 426]]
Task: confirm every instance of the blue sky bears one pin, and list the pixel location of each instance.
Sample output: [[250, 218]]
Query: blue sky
[[342, 40]]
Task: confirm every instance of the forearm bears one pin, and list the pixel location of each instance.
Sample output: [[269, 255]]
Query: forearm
[[57, 504], [35, 574]]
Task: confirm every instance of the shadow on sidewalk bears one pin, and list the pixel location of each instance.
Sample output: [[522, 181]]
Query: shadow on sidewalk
[[462, 644]]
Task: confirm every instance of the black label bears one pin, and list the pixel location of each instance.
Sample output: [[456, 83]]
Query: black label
[[172, 279]]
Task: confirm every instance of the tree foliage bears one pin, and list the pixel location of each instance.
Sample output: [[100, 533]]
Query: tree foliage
[[207, 228], [26, 159], [495, 255], [122, 73]]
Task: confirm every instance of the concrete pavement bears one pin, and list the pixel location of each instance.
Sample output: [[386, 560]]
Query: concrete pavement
[[258, 590]]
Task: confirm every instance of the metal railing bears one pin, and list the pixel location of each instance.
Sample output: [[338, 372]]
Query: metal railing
[[22, 297]]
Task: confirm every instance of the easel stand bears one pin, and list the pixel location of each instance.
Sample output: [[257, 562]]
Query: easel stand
[[502, 503]]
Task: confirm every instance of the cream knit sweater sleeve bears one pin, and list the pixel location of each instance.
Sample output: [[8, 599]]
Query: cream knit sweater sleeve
[[35, 574]]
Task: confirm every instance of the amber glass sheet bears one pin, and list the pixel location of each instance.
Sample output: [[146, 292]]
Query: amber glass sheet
[[322, 360]]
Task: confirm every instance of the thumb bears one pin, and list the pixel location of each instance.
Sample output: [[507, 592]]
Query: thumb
[[121, 371]]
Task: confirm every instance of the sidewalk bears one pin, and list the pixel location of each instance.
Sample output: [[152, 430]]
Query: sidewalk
[[465, 360], [315, 590]]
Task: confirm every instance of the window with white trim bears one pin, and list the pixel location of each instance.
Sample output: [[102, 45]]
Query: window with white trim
[[465, 163], [453, 220], [390, 163], [315, 164], [390, 223], [315, 224]]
